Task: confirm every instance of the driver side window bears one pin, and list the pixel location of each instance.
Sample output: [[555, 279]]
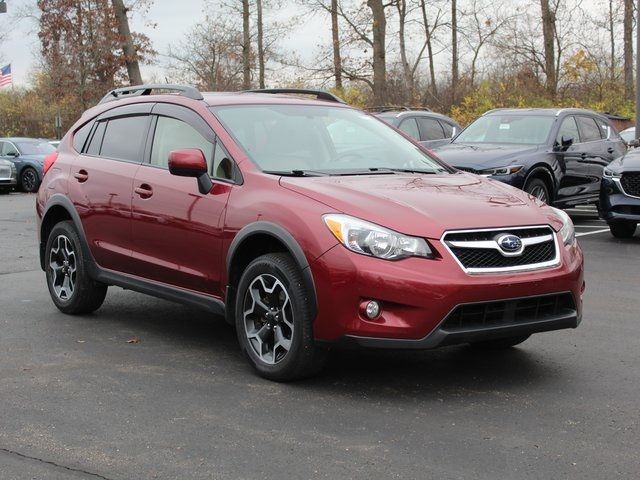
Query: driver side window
[[568, 129], [9, 149]]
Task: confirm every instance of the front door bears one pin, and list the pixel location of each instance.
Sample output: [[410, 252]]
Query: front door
[[176, 229]]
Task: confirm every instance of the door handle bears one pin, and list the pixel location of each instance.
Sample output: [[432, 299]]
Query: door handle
[[583, 156], [611, 150], [81, 175], [144, 191]]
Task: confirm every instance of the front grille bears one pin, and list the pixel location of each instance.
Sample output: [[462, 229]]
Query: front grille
[[478, 251], [631, 183], [509, 312]]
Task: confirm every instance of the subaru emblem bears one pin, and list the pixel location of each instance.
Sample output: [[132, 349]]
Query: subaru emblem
[[509, 243]]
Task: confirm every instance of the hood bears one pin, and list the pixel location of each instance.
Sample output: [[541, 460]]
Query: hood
[[480, 156], [426, 205], [31, 158], [630, 162]]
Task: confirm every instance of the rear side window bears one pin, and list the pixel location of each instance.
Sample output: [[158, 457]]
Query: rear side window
[[81, 135], [96, 139], [431, 129], [589, 130], [410, 127], [124, 137], [172, 134]]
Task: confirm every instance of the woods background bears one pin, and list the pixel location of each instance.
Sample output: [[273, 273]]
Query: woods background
[[458, 57]]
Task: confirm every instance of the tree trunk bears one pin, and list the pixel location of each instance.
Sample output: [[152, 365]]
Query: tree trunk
[[401, 5], [246, 47], [628, 50], [379, 51], [548, 34], [454, 51], [260, 45], [427, 31], [335, 35], [128, 48], [612, 71]]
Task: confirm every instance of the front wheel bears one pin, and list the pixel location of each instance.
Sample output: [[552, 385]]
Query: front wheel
[[538, 189], [623, 229], [273, 320], [70, 287], [29, 180]]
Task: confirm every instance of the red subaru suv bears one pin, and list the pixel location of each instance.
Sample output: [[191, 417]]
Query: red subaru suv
[[306, 222]]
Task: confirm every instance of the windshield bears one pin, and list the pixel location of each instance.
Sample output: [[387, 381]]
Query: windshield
[[327, 140], [35, 148], [512, 129]]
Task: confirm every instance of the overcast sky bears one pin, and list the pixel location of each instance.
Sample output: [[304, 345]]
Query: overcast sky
[[173, 19]]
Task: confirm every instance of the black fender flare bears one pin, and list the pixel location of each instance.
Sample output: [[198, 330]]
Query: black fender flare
[[60, 200], [293, 247]]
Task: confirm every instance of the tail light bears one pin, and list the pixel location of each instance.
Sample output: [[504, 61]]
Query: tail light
[[49, 160]]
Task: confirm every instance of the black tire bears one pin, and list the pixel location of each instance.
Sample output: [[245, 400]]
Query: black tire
[[82, 294], [500, 343], [623, 229], [283, 276], [29, 180], [538, 189]]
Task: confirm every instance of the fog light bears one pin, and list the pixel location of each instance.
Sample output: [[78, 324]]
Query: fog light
[[371, 309]]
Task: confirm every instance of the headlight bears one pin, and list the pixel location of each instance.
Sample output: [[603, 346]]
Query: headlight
[[608, 173], [373, 240], [501, 170], [567, 232]]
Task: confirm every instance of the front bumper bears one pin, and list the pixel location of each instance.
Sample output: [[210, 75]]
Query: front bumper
[[418, 295], [615, 205]]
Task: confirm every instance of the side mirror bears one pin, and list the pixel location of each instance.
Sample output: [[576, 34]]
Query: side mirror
[[635, 143], [13, 154], [190, 162], [566, 142]]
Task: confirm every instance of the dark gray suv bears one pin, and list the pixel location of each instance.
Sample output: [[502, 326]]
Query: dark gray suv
[[429, 128]]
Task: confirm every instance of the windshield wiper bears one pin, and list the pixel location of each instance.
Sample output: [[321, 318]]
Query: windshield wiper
[[406, 170], [296, 173]]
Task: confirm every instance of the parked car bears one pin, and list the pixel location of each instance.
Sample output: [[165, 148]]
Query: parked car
[[556, 155], [429, 128], [27, 154], [256, 206], [628, 135], [54, 143], [7, 176], [620, 195]]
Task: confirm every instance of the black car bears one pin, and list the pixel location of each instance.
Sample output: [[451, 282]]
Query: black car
[[557, 155], [27, 154], [429, 128], [620, 194]]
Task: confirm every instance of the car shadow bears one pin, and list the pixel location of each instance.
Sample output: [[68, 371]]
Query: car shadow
[[375, 373]]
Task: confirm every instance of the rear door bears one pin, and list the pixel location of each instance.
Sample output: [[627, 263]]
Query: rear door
[[573, 180], [177, 230], [101, 182], [594, 155]]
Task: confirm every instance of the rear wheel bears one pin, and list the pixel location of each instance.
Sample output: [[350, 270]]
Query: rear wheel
[[623, 229], [70, 287], [538, 189], [29, 180], [500, 343], [273, 320]]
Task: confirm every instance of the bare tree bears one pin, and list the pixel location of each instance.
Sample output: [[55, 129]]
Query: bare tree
[[549, 40], [454, 50], [246, 46], [379, 28], [335, 39], [628, 49], [429, 31], [260, 44], [128, 46]]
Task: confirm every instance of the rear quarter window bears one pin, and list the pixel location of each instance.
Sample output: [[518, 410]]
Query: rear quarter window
[[81, 135]]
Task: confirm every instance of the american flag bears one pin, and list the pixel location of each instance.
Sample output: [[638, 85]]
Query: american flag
[[5, 75]]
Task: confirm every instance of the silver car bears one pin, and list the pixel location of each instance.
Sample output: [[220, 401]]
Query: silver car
[[8, 176]]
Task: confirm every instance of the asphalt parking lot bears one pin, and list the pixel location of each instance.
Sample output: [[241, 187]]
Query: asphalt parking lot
[[77, 400]]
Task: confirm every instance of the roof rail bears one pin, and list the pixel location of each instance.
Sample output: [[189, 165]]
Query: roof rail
[[320, 94], [137, 90], [391, 108]]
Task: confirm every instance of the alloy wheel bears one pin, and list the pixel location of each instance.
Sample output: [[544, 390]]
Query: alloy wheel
[[540, 193], [268, 319], [62, 263], [29, 180]]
